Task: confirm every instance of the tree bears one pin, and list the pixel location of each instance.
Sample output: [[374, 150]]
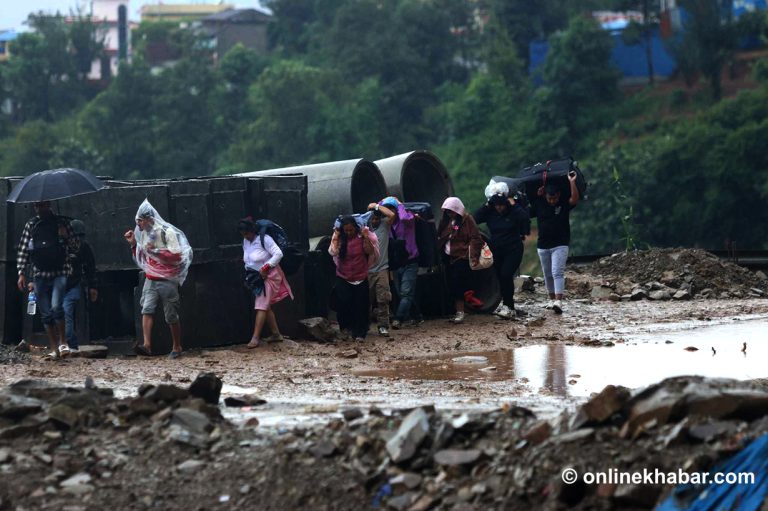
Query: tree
[[708, 40], [578, 80], [642, 33]]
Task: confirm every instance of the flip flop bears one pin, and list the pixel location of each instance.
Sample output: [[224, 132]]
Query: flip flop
[[255, 343], [139, 349], [174, 355], [64, 350]]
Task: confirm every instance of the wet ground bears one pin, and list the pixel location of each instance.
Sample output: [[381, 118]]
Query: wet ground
[[545, 362]]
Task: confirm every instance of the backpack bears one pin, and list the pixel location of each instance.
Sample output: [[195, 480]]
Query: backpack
[[47, 250], [293, 258], [426, 233]]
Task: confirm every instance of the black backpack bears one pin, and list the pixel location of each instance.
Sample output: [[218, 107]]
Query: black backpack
[[47, 249], [293, 258]]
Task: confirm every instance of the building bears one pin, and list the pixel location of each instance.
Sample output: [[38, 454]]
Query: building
[[228, 28], [181, 12], [6, 36], [106, 15]]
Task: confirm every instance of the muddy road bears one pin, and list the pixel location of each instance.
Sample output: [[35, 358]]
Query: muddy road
[[544, 362]]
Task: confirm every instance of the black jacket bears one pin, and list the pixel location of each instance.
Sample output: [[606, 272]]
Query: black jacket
[[83, 267]]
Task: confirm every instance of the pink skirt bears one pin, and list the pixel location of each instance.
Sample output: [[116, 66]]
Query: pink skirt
[[276, 288]]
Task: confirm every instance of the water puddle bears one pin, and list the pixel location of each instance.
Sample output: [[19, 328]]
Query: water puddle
[[577, 371]]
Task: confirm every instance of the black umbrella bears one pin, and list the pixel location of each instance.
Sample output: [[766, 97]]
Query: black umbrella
[[54, 184]]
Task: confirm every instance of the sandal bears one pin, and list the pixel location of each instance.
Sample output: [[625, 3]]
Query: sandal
[[51, 356], [174, 355], [255, 343], [274, 338], [64, 350], [139, 349]]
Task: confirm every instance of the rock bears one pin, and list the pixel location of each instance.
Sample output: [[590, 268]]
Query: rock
[[5, 455], [349, 353], [537, 322], [579, 434], [351, 414], [412, 431], [319, 329], [323, 449], [611, 400], [79, 490], [17, 407], [661, 294], [682, 295], [638, 294], [193, 421], [757, 291], [691, 348], [761, 275], [601, 292], [407, 480], [402, 502], [538, 433], [93, 351], [206, 386], [524, 283], [242, 401], [166, 393], [143, 406], [614, 297], [81, 478], [423, 504], [712, 430], [63, 416], [452, 457], [190, 466]]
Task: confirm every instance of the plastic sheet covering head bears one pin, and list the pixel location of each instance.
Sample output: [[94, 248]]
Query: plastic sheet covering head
[[162, 250]]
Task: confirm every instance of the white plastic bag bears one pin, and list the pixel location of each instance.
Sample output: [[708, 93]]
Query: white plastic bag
[[162, 250], [495, 188]]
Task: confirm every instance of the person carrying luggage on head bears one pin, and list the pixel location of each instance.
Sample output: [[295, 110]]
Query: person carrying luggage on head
[[380, 293], [508, 222], [354, 250], [552, 209], [405, 266]]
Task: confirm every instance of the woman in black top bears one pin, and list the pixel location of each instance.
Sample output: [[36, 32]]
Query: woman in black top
[[509, 224]]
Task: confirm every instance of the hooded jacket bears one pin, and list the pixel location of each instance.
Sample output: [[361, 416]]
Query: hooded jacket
[[465, 239]]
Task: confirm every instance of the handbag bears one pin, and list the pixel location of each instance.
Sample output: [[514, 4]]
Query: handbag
[[485, 260]]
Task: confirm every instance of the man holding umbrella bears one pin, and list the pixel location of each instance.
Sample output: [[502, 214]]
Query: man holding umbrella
[[46, 242]]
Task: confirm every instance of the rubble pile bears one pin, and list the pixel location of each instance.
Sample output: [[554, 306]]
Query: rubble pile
[[666, 274], [13, 355], [167, 448]]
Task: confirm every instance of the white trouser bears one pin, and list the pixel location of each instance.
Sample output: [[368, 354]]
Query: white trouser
[[553, 265]]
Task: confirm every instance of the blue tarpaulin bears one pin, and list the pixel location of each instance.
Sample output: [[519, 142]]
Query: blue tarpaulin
[[742, 496]]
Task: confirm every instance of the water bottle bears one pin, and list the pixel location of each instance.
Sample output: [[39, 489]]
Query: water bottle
[[32, 304]]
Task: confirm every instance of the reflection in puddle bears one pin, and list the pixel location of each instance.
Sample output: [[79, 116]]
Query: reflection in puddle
[[579, 371]]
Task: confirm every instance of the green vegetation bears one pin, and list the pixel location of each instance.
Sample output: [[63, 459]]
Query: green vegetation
[[373, 78]]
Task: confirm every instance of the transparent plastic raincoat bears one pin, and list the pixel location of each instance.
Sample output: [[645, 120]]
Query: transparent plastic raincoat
[[162, 250]]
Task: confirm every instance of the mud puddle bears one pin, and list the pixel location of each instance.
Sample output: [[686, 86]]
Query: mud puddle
[[578, 371]]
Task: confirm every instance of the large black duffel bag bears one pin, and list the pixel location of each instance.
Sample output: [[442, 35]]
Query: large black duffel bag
[[553, 171]]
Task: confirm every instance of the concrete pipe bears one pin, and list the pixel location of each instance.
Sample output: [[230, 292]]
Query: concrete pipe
[[418, 176], [335, 188]]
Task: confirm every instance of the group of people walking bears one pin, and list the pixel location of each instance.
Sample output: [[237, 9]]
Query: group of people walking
[[370, 248], [373, 253]]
